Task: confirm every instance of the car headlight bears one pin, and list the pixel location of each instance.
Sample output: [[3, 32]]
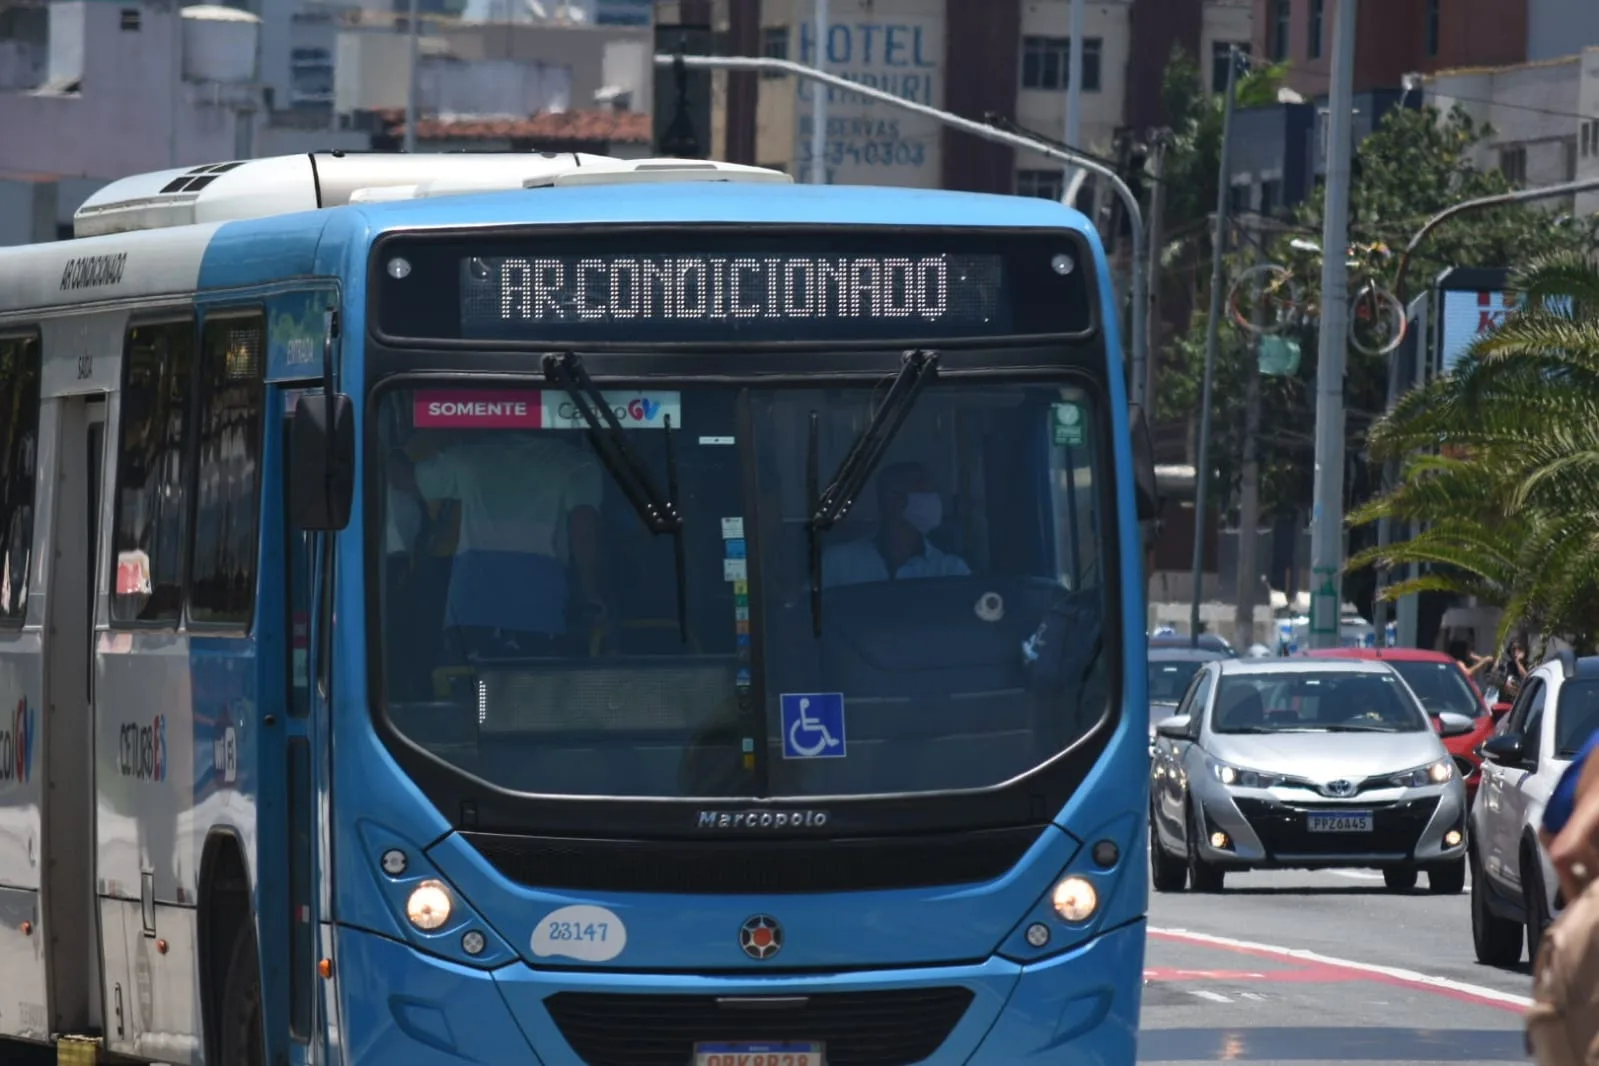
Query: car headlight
[[1233, 776], [1432, 774]]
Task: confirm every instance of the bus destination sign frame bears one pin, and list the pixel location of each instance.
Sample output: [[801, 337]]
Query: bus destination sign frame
[[671, 287]]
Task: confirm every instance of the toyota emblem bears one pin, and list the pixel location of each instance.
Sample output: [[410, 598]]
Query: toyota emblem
[[1340, 788], [760, 937]]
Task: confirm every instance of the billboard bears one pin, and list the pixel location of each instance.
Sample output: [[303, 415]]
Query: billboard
[[896, 46], [1472, 302]]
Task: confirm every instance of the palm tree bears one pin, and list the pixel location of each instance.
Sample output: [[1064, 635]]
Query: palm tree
[[1501, 463]]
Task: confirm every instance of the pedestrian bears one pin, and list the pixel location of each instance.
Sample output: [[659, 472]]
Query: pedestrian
[[1563, 1022], [1470, 661]]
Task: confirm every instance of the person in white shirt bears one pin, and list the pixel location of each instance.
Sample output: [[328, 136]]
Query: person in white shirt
[[909, 507], [529, 531]]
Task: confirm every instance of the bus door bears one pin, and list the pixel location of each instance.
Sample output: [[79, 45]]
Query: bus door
[[307, 559], [69, 872]]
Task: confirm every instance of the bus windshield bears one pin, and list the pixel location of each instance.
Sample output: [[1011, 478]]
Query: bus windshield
[[947, 634]]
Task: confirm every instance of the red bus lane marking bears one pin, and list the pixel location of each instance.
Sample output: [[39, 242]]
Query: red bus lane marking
[[1311, 966]]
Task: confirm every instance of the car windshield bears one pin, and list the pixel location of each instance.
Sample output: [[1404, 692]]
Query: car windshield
[[1578, 718], [1169, 678], [531, 633], [1439, 686], [1306, 702]]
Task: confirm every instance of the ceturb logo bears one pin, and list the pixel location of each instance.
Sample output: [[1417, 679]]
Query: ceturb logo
[[142, 753], [16, 744]]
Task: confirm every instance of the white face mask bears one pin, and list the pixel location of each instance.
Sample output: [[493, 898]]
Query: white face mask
[[924, 511]]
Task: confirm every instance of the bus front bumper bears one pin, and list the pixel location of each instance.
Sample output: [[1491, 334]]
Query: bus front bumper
[[401, 1006]]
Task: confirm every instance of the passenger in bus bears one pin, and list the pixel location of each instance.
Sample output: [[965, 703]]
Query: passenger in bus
[[909, 508], [529, 532]]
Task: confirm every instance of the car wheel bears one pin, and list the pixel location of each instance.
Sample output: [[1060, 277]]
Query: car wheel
[[1202, 876], [1496, 940], [1168, 872], [1399, 878], [1447, 879], [1536, 902]]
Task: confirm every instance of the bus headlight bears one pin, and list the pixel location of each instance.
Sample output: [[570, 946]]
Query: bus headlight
[[1075, 899], [429, 906]]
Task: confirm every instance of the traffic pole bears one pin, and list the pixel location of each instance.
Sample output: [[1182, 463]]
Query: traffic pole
[[1212, 339], [819, 93], [1327, 507]]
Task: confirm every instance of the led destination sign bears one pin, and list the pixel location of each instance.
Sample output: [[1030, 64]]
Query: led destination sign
[[647, 288], [936, 294]]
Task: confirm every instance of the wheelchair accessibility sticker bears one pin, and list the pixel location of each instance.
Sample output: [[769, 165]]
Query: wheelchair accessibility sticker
[[813, 725]]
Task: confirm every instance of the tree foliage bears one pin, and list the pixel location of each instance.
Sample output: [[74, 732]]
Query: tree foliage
[[1501, 463], [1416, 163]]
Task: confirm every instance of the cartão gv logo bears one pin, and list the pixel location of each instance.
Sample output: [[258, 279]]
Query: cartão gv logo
[[17, 743], [643, 409], [142, 750]]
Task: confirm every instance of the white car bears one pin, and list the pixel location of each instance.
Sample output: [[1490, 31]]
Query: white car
[[1513, 888]]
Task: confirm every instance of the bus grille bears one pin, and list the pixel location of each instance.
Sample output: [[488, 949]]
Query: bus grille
[[893, 1027], [755, 867]]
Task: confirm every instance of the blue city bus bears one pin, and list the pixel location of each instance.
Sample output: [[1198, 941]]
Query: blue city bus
[[565, 610]]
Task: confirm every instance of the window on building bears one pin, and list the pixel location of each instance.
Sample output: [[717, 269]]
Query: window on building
[[1046, 63], [1218, 62], [1044, 184], [1590, 138], [19, 448], [151, 501], [1513, 164], [227, 485], [1569, 152], [774, 45], [1313, 31], [1271, 196], [1277, 27], [130, 19], [1434, 27], [1241, 198]]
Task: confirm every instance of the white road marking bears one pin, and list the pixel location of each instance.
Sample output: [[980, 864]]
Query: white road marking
[[1256, 996], [1205, 993], [1410, 977]]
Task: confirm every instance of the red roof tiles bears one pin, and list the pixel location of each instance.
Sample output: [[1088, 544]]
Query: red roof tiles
[[607, 127]]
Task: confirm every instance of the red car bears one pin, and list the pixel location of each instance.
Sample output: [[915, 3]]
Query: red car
[[1442, 685]]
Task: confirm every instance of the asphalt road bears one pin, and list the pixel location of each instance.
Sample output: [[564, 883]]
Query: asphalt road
[[1313, 968]]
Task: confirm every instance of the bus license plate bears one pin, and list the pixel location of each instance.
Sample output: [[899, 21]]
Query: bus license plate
[[1342, 822], [783, 1054]]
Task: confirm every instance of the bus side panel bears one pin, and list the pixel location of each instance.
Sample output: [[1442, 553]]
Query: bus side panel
[[22, 976], [145, 760]]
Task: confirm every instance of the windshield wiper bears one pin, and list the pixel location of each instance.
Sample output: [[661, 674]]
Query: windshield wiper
[[659, 513], [1356, 727], [831, 505]]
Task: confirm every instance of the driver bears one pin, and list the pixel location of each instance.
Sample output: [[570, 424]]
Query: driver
[[908, 507]]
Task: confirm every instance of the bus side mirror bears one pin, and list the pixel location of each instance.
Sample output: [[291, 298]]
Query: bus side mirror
[[1148, 498], [322, 462]]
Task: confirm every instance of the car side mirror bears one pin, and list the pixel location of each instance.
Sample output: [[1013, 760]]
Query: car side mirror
[[1499, 710], [1505, 749], [1173, 728], [322, 462], [1453, 724]]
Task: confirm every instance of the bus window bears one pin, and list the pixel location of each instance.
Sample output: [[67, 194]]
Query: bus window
[[226, 516], [151, 503], [19, 433]]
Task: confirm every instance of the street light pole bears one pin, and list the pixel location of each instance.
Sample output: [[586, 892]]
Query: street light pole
[[1074, 86], [819, 99], [1135, 215], [1327, 508], [411, 78], [1212, 338]]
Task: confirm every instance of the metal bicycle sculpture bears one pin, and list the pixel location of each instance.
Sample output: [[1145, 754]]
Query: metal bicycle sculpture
[[1270, 298]]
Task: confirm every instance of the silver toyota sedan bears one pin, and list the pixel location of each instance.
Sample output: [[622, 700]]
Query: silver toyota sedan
[[1309, 764]]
